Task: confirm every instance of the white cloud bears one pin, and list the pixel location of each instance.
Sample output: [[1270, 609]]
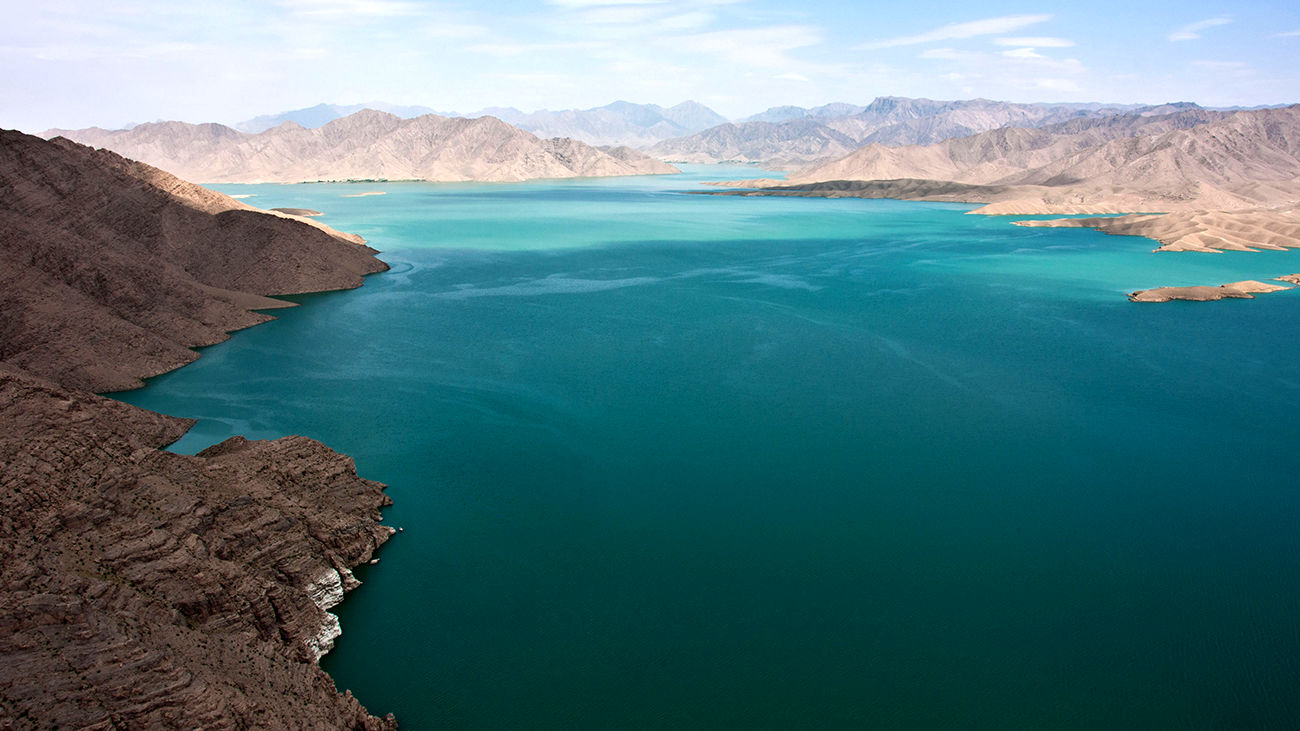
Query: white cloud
[[1287, 34], [455, 30], [1223, 66], [947, 54], [507, 49], [1056, 84], [1034, 42], [791, 77], [752, 47], [1192, 31], [954, 31], [352, 8], [580, 4], [1023, 53]]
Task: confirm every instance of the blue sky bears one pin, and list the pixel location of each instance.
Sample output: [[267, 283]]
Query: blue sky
[[70, 63]]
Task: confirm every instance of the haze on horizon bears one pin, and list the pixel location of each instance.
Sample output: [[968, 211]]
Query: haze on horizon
[[71, 63]]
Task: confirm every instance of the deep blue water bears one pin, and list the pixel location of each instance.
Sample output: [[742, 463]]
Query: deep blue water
[[674, 461]]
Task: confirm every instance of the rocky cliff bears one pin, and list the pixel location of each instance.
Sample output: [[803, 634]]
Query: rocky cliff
[[140, 588]]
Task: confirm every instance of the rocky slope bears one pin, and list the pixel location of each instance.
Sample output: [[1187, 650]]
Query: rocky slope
[[367, 145], [140, 588], [103, 282], [145, 589]]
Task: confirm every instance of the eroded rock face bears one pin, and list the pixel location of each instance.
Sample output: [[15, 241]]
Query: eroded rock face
[[145, 589]]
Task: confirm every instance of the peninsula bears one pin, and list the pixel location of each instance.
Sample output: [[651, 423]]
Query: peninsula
[[143, 588]]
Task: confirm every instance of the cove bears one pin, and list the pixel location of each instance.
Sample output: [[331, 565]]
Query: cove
[[677, 461]]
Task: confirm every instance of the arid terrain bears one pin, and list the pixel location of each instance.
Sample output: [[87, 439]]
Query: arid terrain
[[142, 588]]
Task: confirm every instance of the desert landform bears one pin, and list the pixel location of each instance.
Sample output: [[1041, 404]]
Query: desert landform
[[143, 588]]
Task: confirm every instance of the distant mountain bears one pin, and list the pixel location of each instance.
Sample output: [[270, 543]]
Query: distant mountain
[[791, 142], [1223, 180], [890, 121], [1193, 159], [620, 123], [367, 145], [322, 114], [1001, 156], [826, 111]]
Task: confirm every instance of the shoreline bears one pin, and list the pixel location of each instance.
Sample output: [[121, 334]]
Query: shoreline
[[1127, 214], [148, 588]]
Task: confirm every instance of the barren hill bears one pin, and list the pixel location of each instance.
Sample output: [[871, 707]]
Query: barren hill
[[115, 270], [367, 145], [141, 588]]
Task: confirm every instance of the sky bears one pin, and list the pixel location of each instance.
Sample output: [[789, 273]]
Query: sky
[[73, 63]]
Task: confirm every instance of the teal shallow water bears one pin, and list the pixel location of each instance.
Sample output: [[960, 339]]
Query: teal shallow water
[[672, 461]]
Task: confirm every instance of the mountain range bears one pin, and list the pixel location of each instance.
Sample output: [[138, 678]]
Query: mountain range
[[1225, 180], [794, 136], [322, 114], [619, 123], [366, 145], [1192, 158]]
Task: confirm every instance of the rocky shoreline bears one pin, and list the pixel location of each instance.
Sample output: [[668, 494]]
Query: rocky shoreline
[[141, 588]]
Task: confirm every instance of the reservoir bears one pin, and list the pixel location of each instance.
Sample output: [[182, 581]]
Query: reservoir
[[666, 460]]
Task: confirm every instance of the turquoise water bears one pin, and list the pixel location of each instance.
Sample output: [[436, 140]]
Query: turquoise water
[[673, 461]]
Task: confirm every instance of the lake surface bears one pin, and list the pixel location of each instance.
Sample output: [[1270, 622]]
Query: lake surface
[[677, 461]]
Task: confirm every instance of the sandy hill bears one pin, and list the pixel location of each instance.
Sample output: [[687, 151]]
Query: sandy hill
[[367, 145], [141, 588]]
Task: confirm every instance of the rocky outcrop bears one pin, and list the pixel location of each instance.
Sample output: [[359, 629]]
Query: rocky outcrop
[[367, 145], [145, 589], [141, 588]]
